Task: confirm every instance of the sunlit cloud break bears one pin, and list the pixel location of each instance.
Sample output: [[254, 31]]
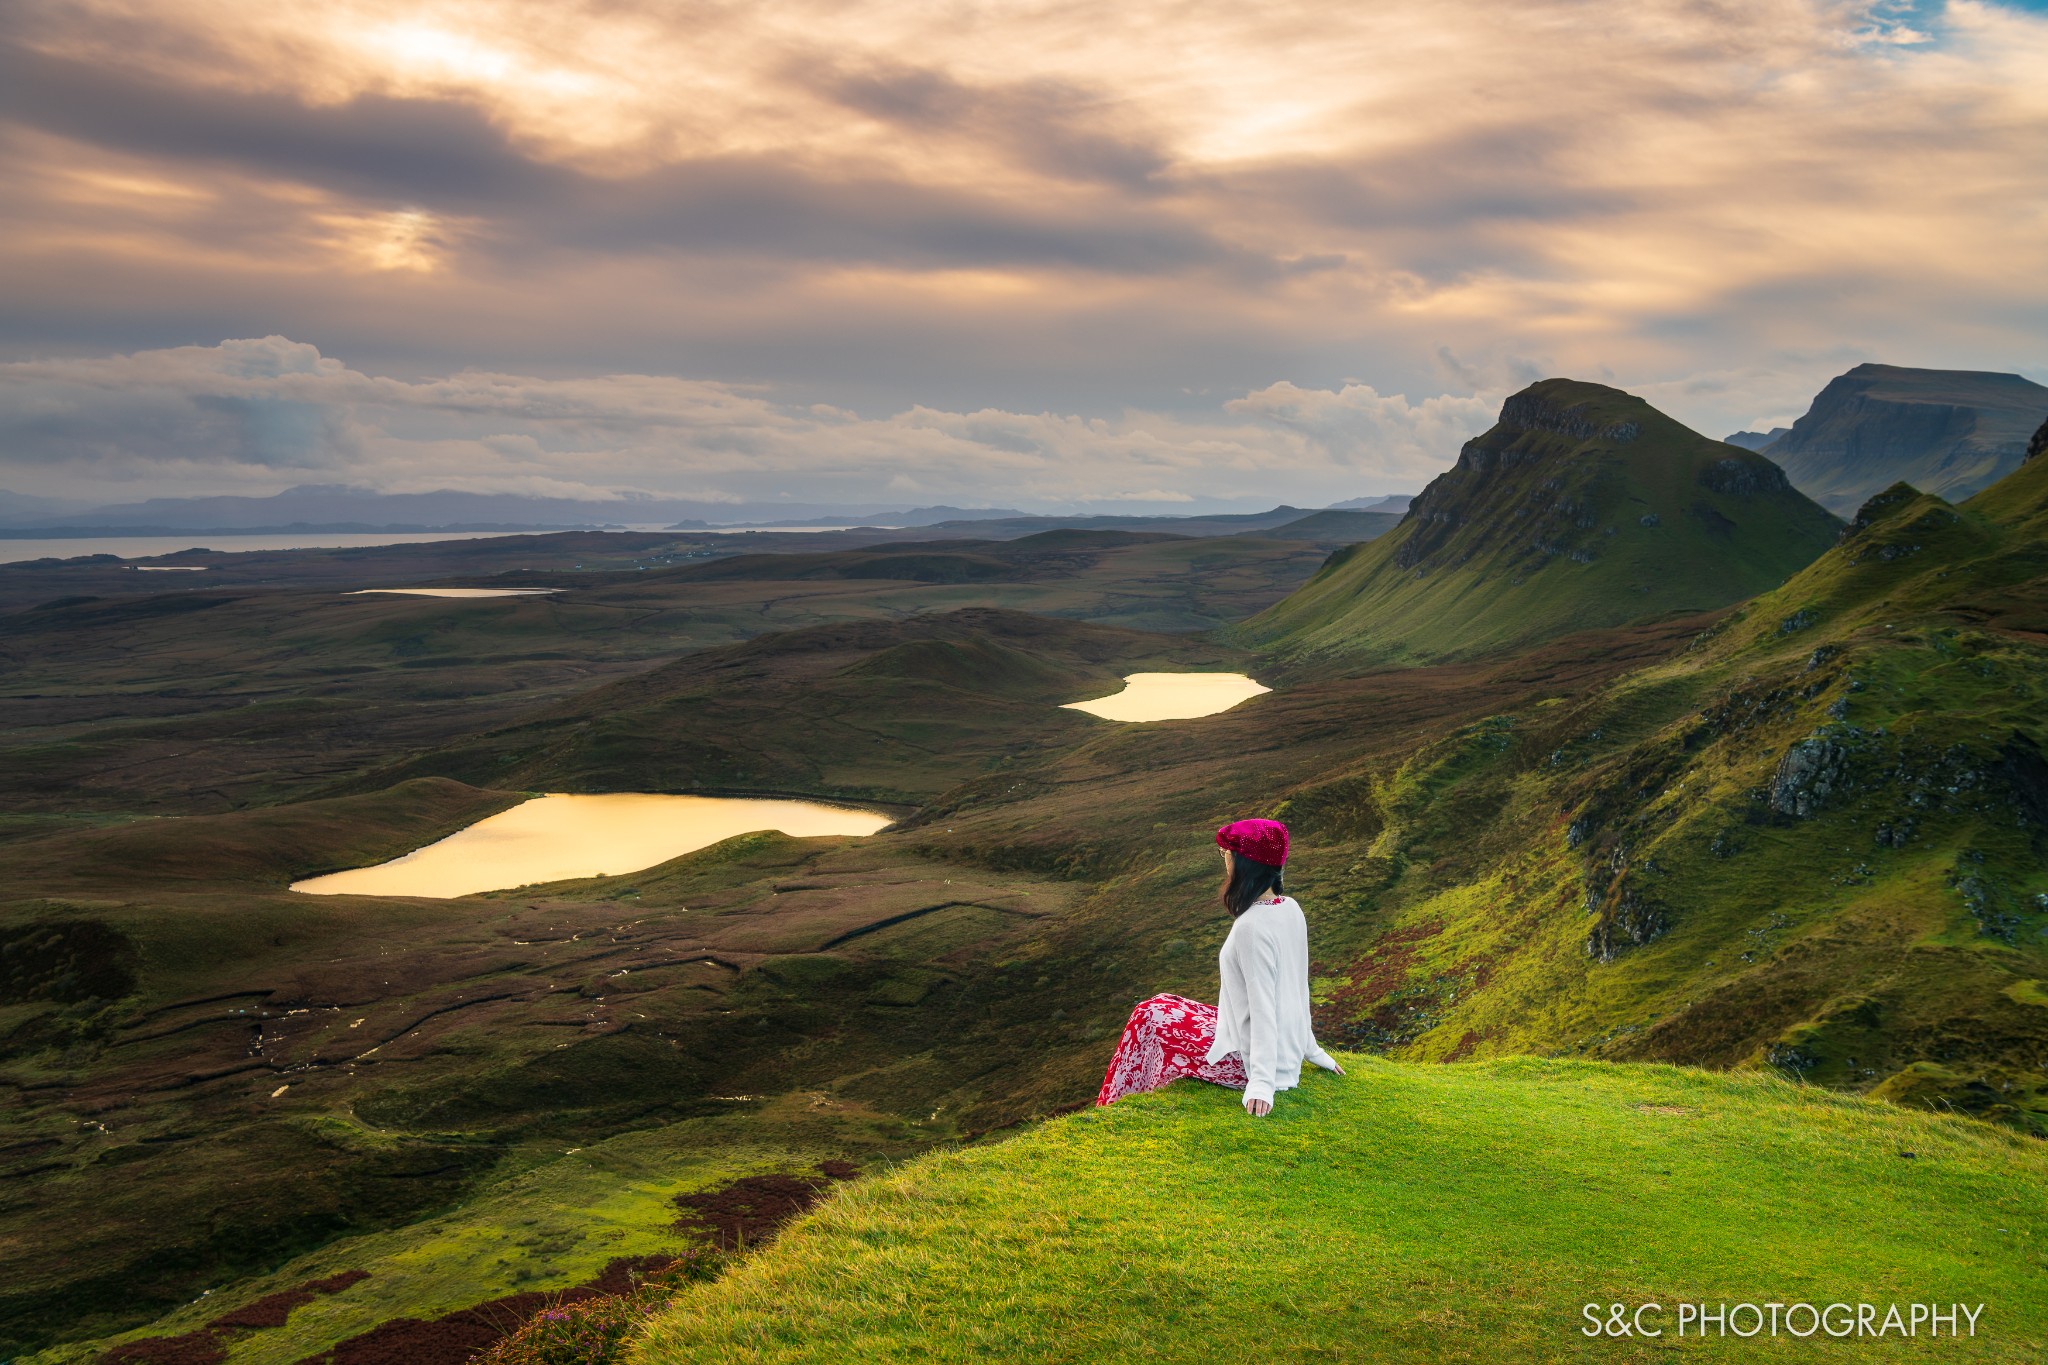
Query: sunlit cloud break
[[1005, 234]]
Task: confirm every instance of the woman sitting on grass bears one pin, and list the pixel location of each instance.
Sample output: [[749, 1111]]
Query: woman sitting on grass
[[1257, 1035]]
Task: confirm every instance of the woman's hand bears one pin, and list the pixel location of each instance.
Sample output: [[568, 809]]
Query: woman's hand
[[1336, 1066], [1258, 1109]]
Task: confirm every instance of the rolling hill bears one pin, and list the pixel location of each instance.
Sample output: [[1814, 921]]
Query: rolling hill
[[1950, 432], [1582, 507], [1403, 1214]]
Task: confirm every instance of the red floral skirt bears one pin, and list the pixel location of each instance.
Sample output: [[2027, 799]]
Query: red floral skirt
[[1167, 1038]]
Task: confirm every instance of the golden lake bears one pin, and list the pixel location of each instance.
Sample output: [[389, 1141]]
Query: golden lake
[[555, 838]]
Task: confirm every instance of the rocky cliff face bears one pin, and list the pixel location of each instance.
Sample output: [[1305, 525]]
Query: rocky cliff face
[[1947, 432]]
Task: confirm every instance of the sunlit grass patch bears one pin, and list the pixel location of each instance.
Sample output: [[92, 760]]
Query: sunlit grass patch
[[1405, 1213]]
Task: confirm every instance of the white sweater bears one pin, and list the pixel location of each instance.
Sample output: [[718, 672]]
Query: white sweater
[[1262, 1010]]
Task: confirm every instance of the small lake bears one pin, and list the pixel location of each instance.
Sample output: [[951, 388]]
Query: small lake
[[457, 592], [1172, 696], [555, 838]]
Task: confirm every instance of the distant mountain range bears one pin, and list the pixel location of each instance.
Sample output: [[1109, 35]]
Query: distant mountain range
[[1946, 432], [340, 508], [1390, 502], [1583, 507], [1337, 525], [332, 507], [916, 516]]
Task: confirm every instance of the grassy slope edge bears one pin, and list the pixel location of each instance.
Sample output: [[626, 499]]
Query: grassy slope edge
[[1404, 1213]]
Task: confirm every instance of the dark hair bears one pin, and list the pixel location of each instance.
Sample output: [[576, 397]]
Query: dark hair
[[1248, 880]]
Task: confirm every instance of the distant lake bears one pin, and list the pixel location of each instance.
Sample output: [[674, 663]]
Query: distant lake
[[1172, 696], [555, 838]]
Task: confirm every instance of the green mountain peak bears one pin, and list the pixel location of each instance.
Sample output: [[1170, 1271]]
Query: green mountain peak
[[1582, 507]]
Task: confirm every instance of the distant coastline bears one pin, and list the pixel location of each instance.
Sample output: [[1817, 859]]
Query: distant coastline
[[14, 550], [299, 528]]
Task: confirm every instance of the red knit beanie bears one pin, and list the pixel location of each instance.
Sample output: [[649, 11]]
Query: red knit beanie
[[1263, 841]]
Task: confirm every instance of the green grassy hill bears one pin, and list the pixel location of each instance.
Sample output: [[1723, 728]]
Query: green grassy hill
[[1947, 432], [1814, 840], [1402, 1213], [1582, 507]]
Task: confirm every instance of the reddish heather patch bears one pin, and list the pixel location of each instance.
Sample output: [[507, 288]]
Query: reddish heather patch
[[444, 1341], [209, 1345], [1380, 970], [750, 1209], [621, 1275], [453, 1339], [1482, 972], [202, 1347], [269, 1311], [1465, 1046]]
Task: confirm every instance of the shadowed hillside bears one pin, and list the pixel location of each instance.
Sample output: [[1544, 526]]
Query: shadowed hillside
[[1950, 432], [1582, 507]]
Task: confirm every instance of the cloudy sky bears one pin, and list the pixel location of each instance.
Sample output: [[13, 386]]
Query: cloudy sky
[[1044, 253]]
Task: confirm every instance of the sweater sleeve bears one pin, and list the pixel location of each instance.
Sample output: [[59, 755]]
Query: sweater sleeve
[[1230, 975], [1262, 1049]]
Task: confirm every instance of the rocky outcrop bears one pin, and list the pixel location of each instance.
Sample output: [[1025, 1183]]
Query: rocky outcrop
[[1531, 412], [1807, 776], [1743, 478], [1632, 921]]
